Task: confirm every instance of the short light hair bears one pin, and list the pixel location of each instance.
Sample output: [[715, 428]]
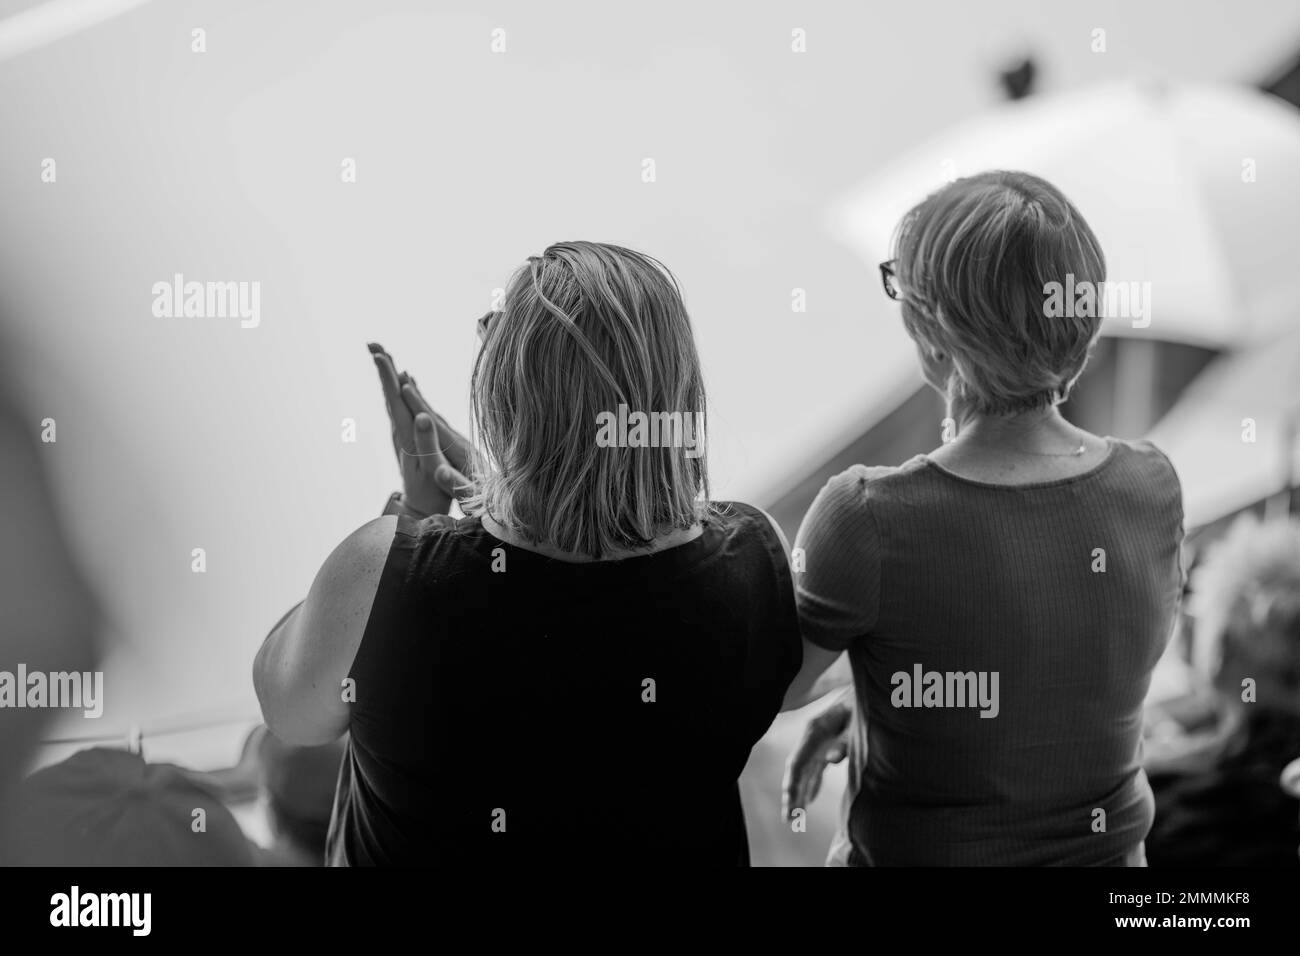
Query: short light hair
[[975, 259], [584, 328]]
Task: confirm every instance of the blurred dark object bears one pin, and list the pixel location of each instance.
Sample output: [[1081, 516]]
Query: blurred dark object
[[1017, 81], [1291, 784], [1286, 82], [103, 807], [1224, 807], [1218, 802], [1291, 778], [51, 619], [298, 784], [1195, 713]]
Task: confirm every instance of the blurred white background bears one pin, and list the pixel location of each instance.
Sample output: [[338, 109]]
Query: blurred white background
[[175, 434]]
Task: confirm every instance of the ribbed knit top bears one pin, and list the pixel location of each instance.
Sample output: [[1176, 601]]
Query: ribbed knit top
[[1002, 639]]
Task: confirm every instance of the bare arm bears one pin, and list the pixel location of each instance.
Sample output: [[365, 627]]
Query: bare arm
[[823, 671], [299, 672]]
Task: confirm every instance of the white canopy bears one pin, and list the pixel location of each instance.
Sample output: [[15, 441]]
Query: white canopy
[[1228, 434], [1192, 188]]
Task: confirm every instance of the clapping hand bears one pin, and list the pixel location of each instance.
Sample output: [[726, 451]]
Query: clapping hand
[[432, 456]]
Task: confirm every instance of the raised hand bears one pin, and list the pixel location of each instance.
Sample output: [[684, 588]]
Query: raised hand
[[429, 480], [454, 445]]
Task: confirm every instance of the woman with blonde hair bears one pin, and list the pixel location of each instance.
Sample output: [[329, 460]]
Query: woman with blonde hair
[[1004, 599], [544, 677]]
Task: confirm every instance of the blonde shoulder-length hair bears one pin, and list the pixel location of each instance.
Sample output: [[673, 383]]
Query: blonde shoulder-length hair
[[585, 328]]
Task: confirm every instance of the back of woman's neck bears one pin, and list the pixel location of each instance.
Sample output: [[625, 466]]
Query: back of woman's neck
[[1020, 427], [661, 542]]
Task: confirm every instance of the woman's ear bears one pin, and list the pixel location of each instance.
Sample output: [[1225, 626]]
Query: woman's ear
[[936, 367], [944, 368]]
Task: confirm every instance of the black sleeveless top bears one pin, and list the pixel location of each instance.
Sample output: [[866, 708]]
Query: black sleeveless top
[[515, 709]]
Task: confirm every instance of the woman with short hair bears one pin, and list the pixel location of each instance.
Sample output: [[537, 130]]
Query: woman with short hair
[[578, 669], [1004, 599]]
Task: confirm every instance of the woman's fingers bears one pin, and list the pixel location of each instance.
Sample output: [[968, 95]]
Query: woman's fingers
[[426, 443], [812, 783], [822, 744], [415, 402], [809, 783], [453, 444], [795, 785], [388, 380], [420, 467], [452, 481], [443, 453], [835, 719], [433, 459], [418, 405], [788, 796]]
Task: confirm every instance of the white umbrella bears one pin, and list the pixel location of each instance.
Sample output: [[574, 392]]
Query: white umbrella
[[1162, 173], [1231, 436]]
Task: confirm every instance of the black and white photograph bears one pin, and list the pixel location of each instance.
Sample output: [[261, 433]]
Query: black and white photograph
[[583, 446]]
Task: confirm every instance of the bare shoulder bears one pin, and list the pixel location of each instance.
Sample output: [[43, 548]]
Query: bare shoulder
[[304, 660], [339, 602], [362, 553]]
